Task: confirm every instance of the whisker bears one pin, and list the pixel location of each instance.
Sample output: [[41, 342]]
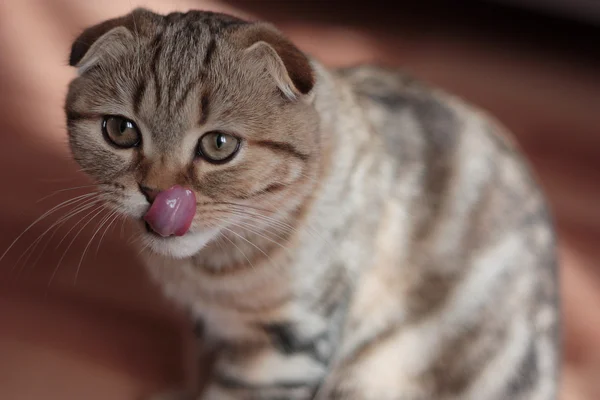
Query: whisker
[[134, 240], [115, 218], [46, 214], [97, 211], [266, 227], [250, 227], [269, 220], [122, 235], [99, 227], [103, 220], [33, 245], [256, 213], [240, 250], [247, 206], [57, 224], [310, 178], [63, 190], [250, 243], [270, 223], [144, 247], [56, 180], [218, 242], [238, 210], [101, 206], [306, 227]]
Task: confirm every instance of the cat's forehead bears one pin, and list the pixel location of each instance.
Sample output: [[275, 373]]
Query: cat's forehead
[[179, 75], [172, 75], [183, 34], [185, 42], [216, 22]]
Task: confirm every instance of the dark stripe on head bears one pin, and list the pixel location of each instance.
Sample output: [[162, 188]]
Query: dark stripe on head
[[157, 44], [218, 22], [204, 109], [210, 50], [282, 147], [172, 89], [138, 96], [139, 164], [188, 176], [271, 188], [181, 101]]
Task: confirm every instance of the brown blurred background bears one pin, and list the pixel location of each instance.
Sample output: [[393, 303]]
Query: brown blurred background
[[94, 327]]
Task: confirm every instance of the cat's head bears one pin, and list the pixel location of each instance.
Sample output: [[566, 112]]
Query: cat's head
[[214, 104]]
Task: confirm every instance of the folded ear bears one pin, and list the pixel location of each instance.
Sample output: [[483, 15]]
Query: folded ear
[[266, 46], [106, 39]]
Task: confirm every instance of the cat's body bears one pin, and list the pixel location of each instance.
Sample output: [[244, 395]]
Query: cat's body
[[382, 242]]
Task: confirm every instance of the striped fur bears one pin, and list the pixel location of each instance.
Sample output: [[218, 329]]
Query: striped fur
[[374, 239]]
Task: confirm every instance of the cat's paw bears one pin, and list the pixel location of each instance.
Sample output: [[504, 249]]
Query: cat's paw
[[173, 395]]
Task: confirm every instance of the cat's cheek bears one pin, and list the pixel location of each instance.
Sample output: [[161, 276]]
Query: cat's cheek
[[135, 210], [182, 246], [133, 207]]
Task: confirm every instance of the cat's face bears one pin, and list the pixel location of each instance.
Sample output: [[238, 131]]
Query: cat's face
[[197, 100]]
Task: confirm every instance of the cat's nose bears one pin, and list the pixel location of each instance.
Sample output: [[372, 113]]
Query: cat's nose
[[149, 193]]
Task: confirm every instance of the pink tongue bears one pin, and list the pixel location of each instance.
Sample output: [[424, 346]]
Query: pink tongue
[[172, 211]]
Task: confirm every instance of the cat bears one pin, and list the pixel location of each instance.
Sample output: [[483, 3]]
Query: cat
[[335, 234]]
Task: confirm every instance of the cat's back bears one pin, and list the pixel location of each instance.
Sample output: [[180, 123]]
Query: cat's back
[[412, 118], [471, 266], [466, 184], [455, 155]]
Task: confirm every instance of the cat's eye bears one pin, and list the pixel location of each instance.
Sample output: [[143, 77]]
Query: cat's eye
[[218, 147], [121, 132]]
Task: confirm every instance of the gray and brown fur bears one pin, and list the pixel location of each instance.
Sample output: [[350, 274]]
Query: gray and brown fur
[[373, 239]]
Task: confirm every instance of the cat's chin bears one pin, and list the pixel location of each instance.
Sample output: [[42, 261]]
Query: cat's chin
[[179, 246]]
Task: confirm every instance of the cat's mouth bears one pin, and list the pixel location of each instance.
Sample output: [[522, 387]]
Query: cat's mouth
[[158, 235], [176, 246], [150, 230], [171, 212]]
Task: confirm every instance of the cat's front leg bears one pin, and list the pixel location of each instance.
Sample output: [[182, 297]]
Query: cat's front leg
[[265, 373]]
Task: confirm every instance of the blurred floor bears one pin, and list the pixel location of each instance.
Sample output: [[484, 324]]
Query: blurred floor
[[110, 336]]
